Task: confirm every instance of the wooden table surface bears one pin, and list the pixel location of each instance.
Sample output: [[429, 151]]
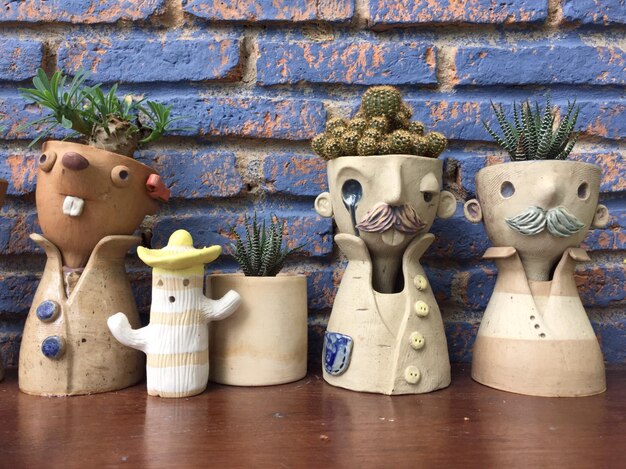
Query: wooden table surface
[[312, 424]]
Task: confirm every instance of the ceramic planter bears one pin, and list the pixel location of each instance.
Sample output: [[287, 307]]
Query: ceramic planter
[[266, 341], [535, 337], [385, 333], [176, 341], [89, 202], [3, 190]]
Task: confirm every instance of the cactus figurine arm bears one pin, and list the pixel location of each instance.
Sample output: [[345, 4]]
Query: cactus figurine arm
[[214, 310], [123, 332]]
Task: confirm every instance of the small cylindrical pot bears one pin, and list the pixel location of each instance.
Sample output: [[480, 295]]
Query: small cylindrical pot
[[265, 341]]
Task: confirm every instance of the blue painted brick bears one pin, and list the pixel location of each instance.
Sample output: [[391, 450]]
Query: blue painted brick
[[605, 12], [291, 174], [271, 10], [18, 167], [346, 61], [17, 290], [7, 225], [79, 11], [534, 64], [24, 223], [460, 336], [19, 58], [196, 174], [144, 59], [613, 237], [601, 285], [214, 229], [405, 12], [611, 333]]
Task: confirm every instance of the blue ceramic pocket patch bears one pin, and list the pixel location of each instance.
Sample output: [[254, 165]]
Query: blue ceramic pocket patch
[[337, 351]]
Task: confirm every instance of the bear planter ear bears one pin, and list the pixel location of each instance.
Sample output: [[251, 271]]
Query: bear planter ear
[[324, 205], [447, 205], [472, 211], [601, 217]]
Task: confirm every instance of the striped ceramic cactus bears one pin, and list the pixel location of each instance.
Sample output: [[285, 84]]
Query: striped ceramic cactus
[[176, 341]]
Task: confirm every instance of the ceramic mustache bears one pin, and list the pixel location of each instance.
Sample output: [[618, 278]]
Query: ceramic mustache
[[558, 221], [382, 217]]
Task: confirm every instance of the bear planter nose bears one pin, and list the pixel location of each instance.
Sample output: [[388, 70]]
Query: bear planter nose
[[75, 161]]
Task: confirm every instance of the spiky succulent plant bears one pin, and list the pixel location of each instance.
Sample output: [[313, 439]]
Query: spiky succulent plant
[[261, 254], [536, 134], [103, 119], [382, 126]]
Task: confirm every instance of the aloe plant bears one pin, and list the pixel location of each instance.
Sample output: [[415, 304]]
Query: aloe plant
[[261, 253], [536, 134], [105, 120]]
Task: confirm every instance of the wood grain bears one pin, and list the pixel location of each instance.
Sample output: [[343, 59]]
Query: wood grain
[[312, 424]]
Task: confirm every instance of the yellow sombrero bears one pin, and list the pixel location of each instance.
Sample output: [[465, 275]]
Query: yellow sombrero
[[179, 253]]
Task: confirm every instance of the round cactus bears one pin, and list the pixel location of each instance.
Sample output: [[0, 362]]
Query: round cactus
[[358, 124], [416, 127], [336, 126], [318, 144], [380, 123], [367, 147], [420, 146], [373, 133], [385, 147], [349, 142], [401, 141], [437, 143], [381, 101], [332, 148]]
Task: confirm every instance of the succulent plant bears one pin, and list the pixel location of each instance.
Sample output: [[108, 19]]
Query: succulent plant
[[382, 126], [261, 254], [103, 119], [536, 135]]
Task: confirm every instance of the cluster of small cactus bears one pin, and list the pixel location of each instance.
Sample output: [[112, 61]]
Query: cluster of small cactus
[[382, 126]]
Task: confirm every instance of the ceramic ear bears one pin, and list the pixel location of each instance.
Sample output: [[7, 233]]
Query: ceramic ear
[[601, 217], [324, 205], [447, 205], [472, 210]]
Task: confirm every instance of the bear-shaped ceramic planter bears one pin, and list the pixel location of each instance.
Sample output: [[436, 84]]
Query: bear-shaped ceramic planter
[[535, 337]]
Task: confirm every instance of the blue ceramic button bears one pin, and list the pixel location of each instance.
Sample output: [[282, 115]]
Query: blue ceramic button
[[53, 347], [48, 310], [337, 352]]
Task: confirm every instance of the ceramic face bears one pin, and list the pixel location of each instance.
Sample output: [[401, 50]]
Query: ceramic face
[[539, 207], [85, 194], [386, 201]]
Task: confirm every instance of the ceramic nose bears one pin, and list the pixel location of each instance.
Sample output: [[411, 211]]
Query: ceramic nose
[[74, 161], [393, 194], [547, 195]]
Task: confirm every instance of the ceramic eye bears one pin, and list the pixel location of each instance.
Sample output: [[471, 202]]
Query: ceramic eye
[[507, 189], [583, 191], [120, 175], [46, 161], [428, 196]]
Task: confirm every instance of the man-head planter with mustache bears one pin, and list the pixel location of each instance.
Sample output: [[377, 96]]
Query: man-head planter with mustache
[[535, 337], [385, 333]]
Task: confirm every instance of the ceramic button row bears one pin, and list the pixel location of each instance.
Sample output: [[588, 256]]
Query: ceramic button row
[[421, 308], [53, 347], [420, 282], [416, 340], [48, 310], [412, 374]]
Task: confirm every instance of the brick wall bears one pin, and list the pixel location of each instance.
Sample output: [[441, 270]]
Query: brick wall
[[257, 81]]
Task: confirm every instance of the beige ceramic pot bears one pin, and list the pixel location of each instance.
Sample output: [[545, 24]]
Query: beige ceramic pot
[[89, 202], [535, 337], [385, 333], [3, 190], [265, 342]]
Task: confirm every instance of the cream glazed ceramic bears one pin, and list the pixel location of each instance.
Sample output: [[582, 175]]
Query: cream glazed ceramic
[[385, 333], [535, 337], [265, 343], [176, 341]]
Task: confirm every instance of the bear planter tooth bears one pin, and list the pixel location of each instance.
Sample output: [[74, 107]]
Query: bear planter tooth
[[385, 333], [90, 200], [176, 341], [535, 337]]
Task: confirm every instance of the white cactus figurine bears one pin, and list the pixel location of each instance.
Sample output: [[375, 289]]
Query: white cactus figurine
[[176, 341]]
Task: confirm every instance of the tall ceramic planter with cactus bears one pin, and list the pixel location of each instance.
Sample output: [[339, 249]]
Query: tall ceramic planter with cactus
[[535, 337], [385, 333], [266, 341], [91, 197]]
